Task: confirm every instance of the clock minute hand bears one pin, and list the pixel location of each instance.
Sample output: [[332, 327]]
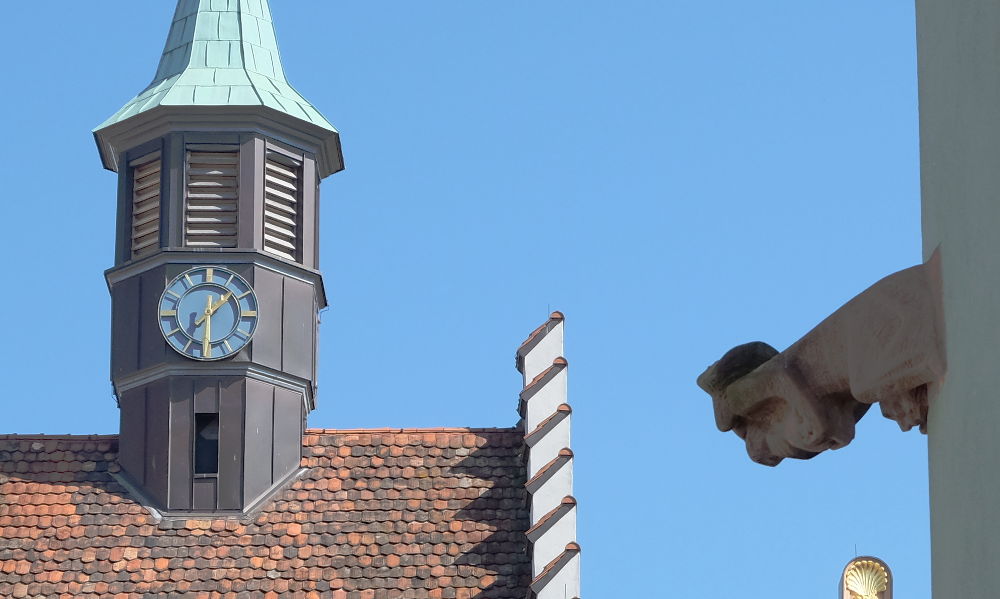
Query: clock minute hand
[[206, 339]]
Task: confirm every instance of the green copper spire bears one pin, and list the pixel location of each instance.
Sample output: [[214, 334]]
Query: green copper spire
[[221, 71], [221, 53]]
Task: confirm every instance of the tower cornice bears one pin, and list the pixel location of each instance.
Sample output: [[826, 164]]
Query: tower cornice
[[115, 139], [229, 256]]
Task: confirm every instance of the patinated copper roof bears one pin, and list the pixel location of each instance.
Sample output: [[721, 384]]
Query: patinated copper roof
[[221, 53], [384, 513]]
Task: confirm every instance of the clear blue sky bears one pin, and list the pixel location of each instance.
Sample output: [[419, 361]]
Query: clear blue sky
[[678, 177]]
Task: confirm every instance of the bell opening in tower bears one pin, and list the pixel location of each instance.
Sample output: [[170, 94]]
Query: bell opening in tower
[[206, 444]]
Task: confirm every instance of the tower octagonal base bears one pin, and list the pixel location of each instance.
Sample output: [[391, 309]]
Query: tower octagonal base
[[204, 443]]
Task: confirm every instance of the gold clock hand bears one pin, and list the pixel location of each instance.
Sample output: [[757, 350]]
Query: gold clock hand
[[206, 340], [222, 301], [212, 309]]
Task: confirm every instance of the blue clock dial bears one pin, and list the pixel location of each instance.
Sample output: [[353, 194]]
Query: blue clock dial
[[208, 313]]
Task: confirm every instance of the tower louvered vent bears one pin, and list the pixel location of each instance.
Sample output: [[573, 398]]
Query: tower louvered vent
[[212, 192], [145, 205], [281, 205]]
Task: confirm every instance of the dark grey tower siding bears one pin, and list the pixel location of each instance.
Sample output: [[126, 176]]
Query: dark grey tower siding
[[259, 440], [262, 393], [259, 397], [285, 338]]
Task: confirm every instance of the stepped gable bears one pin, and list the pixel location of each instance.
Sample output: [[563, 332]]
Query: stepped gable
[[546, 421], [379, 513]]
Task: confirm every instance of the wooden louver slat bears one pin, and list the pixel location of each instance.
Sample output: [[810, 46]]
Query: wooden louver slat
[[145, 206], [210, 207], [281, 199]]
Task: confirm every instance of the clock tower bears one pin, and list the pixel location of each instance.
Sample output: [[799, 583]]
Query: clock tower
[[215, 290]]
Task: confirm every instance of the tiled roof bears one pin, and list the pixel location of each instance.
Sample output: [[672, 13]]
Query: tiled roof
[[383, 513]]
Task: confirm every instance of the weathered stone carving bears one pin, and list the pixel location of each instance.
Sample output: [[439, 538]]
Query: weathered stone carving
[[885, 346]]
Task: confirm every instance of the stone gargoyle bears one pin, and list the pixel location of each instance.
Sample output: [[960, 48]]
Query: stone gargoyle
[[886, 345]]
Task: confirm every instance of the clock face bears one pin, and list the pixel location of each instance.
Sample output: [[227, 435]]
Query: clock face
[[208, 313]]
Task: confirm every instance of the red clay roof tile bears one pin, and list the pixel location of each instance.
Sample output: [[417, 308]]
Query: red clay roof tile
[[555, 565], [561, 412], [564, 506], [565, 454], [380, 513], [557, 364], [539, 333]]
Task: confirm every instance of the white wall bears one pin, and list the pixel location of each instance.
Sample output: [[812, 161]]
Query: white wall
[[959, 71]]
